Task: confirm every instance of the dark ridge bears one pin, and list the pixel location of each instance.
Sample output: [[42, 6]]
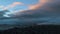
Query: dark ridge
[[36, 29]]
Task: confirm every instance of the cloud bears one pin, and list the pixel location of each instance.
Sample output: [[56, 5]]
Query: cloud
[[42, 3], [13, 5], [43, 8], [48, 9], [34, 7], [37, 5], [48, 13]]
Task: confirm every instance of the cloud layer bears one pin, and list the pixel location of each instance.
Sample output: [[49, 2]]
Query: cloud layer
[[37, 5], [43, 6], [49, 11]]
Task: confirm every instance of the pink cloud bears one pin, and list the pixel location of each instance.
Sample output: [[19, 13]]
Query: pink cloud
[[37, 5], [16, 3], [13, 5]]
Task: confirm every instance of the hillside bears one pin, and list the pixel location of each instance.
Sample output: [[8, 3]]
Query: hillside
[[36, 29]]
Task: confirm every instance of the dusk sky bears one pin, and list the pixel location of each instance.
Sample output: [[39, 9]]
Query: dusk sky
[[26, 12], [30, 11], [18, 4]]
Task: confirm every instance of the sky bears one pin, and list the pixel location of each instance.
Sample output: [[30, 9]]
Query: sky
[[32, 11], [18, 7], [16, 4], [44, 9]]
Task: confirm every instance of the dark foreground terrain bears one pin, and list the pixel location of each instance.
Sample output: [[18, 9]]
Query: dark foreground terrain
[[36, 29]]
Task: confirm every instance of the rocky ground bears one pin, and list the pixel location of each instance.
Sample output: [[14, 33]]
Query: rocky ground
[[36, 29]]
